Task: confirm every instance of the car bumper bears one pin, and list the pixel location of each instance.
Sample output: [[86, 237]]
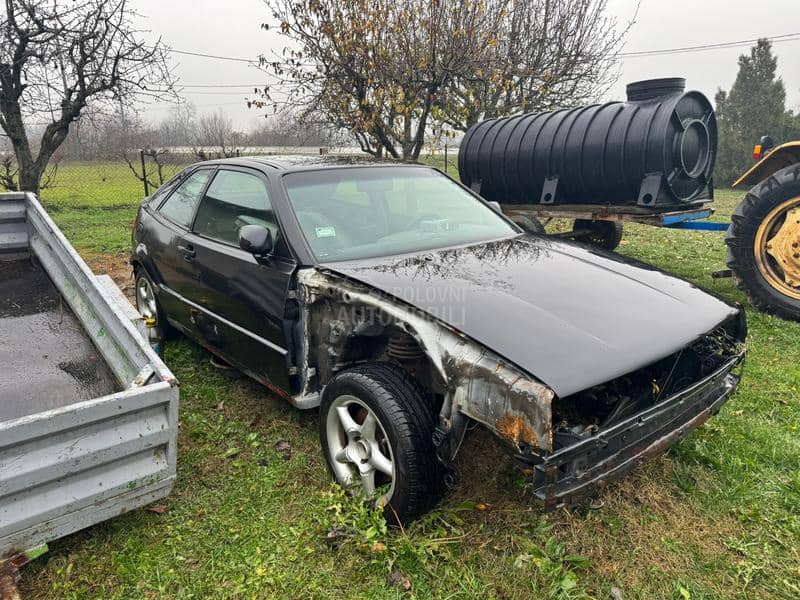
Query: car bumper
[[581, 468]]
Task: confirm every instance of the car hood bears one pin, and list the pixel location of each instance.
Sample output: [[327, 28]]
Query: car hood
[[571, 316]]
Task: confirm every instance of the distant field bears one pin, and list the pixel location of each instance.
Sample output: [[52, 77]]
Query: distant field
[[716, 517]]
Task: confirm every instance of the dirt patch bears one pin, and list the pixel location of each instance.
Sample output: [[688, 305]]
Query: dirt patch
[[118, 266]]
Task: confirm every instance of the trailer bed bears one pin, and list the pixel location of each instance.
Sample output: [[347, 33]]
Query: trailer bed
[[48, 360], [88, 412], [693, 217]]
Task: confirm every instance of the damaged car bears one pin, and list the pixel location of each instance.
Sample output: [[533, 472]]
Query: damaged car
[[408, 309]]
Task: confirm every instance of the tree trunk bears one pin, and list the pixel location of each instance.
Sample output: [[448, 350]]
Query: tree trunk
[[422, 125], [30, 176]]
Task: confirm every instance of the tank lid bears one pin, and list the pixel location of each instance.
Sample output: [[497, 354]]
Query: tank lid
[[655, 88]]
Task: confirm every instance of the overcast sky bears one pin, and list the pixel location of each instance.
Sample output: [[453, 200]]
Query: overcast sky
[[232, 28]]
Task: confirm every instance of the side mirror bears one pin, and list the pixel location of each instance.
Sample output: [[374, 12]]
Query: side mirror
[[496, 206], [255, 239]]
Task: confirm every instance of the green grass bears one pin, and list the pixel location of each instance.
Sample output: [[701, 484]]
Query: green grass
[[717, 517]]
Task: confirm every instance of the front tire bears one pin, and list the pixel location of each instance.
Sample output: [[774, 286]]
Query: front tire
[[764, 244], [376, 429]]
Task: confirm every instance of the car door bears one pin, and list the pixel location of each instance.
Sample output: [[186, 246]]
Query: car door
[[172, 219], [239, 300]]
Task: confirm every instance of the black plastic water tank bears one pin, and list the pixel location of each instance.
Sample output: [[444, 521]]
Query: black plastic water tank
[[656, 149]]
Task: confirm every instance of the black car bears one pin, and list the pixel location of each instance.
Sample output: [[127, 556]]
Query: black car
[[406, 308]]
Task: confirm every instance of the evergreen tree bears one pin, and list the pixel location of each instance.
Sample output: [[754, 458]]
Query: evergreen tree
[[755, 106]]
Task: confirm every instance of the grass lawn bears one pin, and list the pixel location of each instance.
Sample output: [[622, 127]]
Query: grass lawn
[[253, 513]]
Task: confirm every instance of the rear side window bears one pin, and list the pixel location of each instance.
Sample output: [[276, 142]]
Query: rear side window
[[180, 206], [165, 189], [234, 199]]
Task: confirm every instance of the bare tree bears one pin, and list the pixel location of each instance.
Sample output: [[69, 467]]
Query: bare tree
[[9, 174], [55, 58], [387, 69], [287, 129], [215, 137], [179, 127], [376, 67], [155, 156], [547, 54], [135, 139]]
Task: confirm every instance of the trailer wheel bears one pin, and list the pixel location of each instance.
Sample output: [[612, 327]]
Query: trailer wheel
[[377, 437], [764, 244], [529, 224], [148, 305], [606, 234]]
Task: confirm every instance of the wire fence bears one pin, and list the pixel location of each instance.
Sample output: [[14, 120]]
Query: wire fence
[[106, 184], [120, 183]]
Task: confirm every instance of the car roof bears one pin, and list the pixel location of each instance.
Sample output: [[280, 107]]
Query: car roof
[[299, 162]]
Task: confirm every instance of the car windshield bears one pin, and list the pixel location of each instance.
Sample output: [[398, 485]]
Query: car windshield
[[353, 213]]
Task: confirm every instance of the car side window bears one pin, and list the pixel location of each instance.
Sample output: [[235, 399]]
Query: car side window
[[181, 204], [234, 199]]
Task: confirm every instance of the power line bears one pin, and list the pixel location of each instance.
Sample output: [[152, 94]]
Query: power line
[[217, 104], [787, 37], [222, 85], [213, 93], [214, 56]]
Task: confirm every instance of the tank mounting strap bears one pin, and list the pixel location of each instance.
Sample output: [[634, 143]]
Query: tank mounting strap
[[549, 190], [650, 189]]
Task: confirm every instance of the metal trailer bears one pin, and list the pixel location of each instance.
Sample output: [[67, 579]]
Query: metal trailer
[[88, 411], [694, 218], [589, 219]]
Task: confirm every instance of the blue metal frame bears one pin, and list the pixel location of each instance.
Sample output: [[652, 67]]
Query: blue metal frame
[[692, 220], [700, 226]]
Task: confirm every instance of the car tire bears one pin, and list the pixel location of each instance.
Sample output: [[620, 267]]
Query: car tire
[[604, 234], [764, 273], [149, 305], [357, 449]]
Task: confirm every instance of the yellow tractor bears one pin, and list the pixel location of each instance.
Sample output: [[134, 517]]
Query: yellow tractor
[[764, 236]]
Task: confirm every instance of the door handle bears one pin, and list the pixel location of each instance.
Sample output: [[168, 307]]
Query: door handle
[[188, 252]]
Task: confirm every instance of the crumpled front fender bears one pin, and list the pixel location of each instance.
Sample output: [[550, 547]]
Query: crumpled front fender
[[478, 384]]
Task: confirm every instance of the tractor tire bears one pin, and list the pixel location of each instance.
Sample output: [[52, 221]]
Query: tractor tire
[[604, 234], [764, 244], [376, 429]]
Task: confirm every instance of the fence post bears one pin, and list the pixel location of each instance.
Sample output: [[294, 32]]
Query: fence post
[[445, 156], [144, 174]]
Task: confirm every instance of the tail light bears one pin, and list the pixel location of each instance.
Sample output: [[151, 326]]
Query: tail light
[[757, 152]]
